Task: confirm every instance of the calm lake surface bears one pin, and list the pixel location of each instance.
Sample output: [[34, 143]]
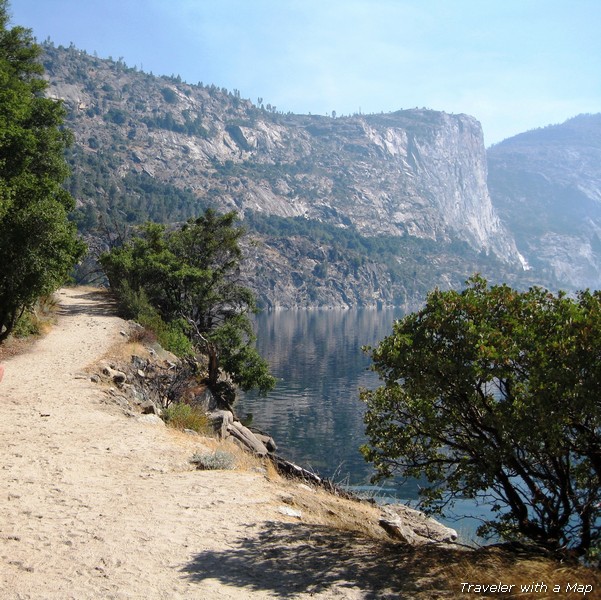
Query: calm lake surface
[[314, 414]]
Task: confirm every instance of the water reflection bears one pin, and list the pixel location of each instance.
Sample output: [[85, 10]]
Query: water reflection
[[315, 414]]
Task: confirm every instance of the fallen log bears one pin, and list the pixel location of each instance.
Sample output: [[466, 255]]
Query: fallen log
[[290, 469]]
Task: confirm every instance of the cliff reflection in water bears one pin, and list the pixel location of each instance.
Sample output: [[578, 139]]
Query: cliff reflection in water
[[315, 414]]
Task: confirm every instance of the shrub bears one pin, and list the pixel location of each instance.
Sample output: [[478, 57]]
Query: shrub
[[134, 304], [28, 324], [218, 460], [184, 416]]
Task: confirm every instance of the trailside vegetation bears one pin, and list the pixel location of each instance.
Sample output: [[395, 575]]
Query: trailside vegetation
[[186, 280], [493, 394], [38, 244]]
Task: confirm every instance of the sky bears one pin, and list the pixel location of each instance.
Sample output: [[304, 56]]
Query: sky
[[515, 65]]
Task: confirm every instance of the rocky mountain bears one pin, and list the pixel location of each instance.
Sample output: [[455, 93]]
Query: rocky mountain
[[360, 210], [546, 186]]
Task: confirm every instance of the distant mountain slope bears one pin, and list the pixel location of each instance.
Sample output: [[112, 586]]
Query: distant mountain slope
[[546, 186], [155, 147]]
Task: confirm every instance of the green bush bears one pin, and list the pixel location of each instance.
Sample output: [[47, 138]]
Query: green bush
[[183, 416], [172, 336], [28, 324]]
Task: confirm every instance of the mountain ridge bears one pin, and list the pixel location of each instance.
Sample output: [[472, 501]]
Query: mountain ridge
[[157, 148]]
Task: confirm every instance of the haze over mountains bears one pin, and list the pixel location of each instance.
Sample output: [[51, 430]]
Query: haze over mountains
[[361, 210], [546, 187]]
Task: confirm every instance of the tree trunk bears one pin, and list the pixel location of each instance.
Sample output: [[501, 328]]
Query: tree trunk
[[213, 368]]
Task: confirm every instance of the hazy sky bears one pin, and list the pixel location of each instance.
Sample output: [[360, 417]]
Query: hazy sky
[[513, 64]]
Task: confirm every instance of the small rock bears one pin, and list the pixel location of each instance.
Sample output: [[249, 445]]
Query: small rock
[[138, 362], [148, 407], [290, 512], [151, 420], [191, 432], [117, 376]]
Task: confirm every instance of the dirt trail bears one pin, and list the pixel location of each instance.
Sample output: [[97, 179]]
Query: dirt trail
[[94, 504]]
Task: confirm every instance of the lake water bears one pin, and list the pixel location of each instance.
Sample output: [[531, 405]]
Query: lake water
[[314, 414]]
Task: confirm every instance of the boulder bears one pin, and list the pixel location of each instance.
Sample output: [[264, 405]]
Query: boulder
[[148, 407], [414, 527], [139, 363], [221, 420], [247, 438], [267, 441], [202, 398], [151, 420]]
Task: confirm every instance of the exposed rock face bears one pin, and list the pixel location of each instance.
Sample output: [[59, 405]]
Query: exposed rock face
[[412, 174], [546, 185], [434, 166], [414, 527]]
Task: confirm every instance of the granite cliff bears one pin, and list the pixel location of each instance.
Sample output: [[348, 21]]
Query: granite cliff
[[401, 199], [546, 186]]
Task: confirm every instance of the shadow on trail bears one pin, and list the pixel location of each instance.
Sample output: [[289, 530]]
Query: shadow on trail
[[97, 303], [290, 558]]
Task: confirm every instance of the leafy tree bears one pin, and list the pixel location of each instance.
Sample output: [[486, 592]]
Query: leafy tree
[[38, 245], [189, 275], [493, 394]]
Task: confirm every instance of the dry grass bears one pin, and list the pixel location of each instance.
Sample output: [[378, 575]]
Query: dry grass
[[494, 564], [184, 416], [15, 346], [244, 460], [38, 322], [429, 571], [320, 507], [122, 352]]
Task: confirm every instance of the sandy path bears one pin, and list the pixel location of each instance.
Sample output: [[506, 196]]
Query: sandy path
[[94, 504]]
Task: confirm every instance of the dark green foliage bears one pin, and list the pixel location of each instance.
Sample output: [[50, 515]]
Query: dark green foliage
[[168, 121], [494, 394], [116, 115], [405, 257], [169, 95], [38, 245], [188, 276], [345, 238], [135, 199]]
